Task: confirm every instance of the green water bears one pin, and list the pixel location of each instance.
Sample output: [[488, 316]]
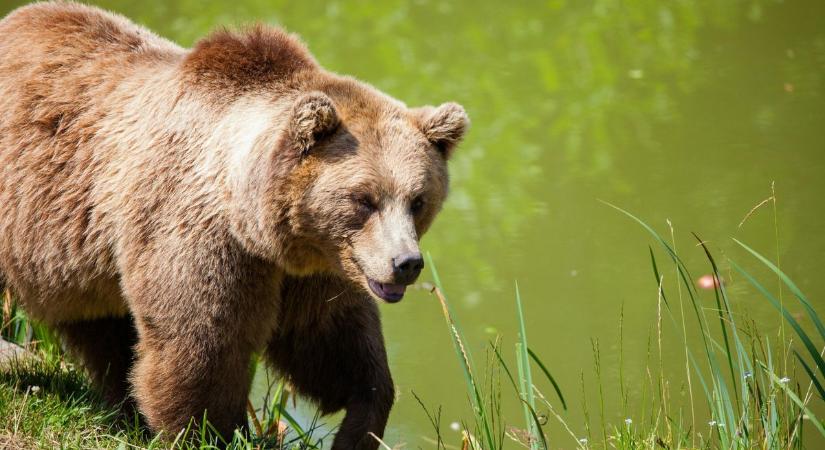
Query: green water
[[680, 110]]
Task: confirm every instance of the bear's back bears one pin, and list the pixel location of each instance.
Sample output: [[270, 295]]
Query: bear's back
[[57, 59], [75, 29], [62, 67]]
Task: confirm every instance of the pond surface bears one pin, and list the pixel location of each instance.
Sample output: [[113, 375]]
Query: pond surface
[[681, 111]]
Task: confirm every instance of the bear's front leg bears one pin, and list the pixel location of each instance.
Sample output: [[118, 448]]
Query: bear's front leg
[[183, 376], [199, 320], [330, 346]]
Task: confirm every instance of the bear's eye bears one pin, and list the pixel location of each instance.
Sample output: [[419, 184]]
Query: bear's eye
[[417, 205], [365, 204]]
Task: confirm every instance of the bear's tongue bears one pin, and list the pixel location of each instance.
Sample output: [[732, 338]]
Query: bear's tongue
[[389, 292]]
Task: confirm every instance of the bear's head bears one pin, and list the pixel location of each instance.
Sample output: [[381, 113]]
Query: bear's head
[[370, 178], [346, 180]]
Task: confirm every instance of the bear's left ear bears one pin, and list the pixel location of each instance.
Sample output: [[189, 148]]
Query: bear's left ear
[[313, 117], [444, 126]]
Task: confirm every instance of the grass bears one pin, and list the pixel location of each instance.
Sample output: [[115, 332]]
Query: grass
[[46, 403]]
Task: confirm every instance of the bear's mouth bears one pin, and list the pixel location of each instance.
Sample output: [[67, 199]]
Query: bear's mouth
[[389, 292]]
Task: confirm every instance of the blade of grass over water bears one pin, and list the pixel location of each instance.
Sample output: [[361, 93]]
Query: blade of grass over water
[[549, 377], [802, 405], [464, 358], [806, 340], [525, 376], [791, 285], [811, 374], [537, 424], [435, 421], [683, 272], [722, 301], [506, 369]]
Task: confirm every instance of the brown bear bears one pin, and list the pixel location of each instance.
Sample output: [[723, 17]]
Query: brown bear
[[172, 211]]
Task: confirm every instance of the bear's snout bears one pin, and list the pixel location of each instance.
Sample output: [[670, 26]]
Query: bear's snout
[[407, 266]]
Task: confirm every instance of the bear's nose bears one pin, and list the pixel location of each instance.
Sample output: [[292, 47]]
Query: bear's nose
[[407, 266]]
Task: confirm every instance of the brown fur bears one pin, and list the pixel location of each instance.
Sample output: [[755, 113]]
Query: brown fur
[[105, 347], [261, 56], [206, 204]]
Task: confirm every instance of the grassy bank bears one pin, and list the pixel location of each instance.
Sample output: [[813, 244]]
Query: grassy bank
[[744, 388], [46, 403]]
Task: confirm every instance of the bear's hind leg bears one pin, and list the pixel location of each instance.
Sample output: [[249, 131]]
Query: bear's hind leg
[[105, 347]]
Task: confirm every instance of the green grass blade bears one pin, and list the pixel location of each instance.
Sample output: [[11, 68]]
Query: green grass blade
[[744, 363], [683, 272], [464, 357], [806, 340], [811, 417], [533, 416], [549, 377], [294, 424], [694, 363], [455, 336], [771, 423], [525, 374], [722, 311], [811, 374], [504, 366], [539, 430], [658, 275], [522, 395], [791, 285]]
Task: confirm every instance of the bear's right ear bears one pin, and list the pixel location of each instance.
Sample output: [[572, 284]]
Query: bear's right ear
[[443, 126], [313, 117]]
